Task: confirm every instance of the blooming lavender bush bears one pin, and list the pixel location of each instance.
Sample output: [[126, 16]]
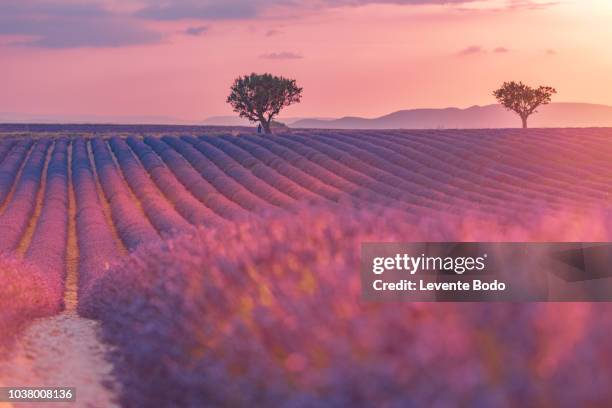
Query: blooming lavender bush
[[27, 292], [268, 313]]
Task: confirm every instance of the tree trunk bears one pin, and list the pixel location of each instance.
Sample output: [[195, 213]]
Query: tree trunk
[[266, 127], [524, 119]]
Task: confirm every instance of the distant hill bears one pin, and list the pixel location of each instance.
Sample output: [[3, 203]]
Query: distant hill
[[490, 116], [238, 121]]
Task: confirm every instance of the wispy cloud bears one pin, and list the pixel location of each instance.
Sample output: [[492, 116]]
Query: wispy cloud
[[203, 9], [471, 50], [550, 52], [272, 33], [196, 31], [249, 9], [281, 55], [531, 4], [478, 50], [66, 24]]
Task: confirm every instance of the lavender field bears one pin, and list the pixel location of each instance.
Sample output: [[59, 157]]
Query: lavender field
[[224, 269]]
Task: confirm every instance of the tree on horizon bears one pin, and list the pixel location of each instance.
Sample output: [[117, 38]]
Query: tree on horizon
[[260, 97], [523, 99]]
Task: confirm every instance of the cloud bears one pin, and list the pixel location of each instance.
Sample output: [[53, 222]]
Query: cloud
[[196, 31], [551, 52], [471, 50], [248, 9], [272, 33], [203, 9], [477, 50], [531, 4], [66, 24], [168, 10], [281, 55]]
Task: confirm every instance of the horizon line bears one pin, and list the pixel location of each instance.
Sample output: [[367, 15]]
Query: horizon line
[[59, 119]]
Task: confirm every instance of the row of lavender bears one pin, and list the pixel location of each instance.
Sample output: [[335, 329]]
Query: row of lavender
[[34, 288]]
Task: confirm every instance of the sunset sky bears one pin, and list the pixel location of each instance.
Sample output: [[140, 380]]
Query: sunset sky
[[353, 57]]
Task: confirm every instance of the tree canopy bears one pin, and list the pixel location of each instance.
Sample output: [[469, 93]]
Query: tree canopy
[[523, 99], [260, 97]]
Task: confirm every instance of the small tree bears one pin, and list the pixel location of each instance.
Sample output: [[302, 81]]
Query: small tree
[[523, 99], [259, 98]]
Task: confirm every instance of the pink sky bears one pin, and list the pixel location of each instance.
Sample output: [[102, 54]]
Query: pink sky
[[353, 57]]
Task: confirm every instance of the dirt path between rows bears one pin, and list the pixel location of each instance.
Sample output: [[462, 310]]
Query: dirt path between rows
[[61, 351]]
